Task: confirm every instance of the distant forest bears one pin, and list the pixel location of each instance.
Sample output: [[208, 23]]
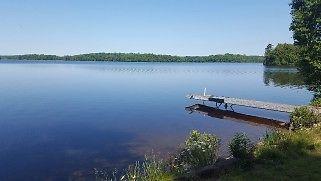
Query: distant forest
[[137, 57]]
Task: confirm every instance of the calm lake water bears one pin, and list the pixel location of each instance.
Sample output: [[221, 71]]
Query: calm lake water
[[60, 120]]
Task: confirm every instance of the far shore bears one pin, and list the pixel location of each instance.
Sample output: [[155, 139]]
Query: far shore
[[137, 57]]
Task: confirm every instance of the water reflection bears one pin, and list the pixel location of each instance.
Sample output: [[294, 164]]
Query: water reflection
[[283, 77], [234, 116], [290, 77]]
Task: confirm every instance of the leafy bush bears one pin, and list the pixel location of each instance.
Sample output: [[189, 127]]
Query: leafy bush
[[304, 117], [241, 147], [316, 102], [200, 150], [268, 149]]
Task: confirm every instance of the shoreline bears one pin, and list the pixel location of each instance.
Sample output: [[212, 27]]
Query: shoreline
[[105, 61]]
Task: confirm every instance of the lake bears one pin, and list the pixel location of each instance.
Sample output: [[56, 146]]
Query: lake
[[60, 120]]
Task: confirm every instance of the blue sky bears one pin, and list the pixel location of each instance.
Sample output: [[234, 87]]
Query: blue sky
[[178, 27]]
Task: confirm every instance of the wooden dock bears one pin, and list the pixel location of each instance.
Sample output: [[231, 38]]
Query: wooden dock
[[228, 101]]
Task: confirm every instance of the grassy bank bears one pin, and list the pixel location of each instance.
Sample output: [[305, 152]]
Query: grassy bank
[[285, 156]]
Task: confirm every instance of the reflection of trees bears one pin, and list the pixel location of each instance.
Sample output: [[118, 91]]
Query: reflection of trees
[[283, 77], [314, 83], [290, 77]]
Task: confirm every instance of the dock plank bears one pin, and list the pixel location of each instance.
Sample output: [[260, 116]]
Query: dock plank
[[245, 102]]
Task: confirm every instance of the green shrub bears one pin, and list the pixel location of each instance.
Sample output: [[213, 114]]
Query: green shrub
[[241, 147], [272, 138], [316, 102], [200, 150], [304, 117], [278, 146], [269, 149]]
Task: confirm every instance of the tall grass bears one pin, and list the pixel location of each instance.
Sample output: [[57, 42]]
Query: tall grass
[[152, 169], [279, 145]]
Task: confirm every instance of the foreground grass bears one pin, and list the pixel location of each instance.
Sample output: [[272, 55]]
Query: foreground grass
[[285, 156]]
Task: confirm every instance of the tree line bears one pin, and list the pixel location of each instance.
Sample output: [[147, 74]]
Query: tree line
[[137, 57]]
